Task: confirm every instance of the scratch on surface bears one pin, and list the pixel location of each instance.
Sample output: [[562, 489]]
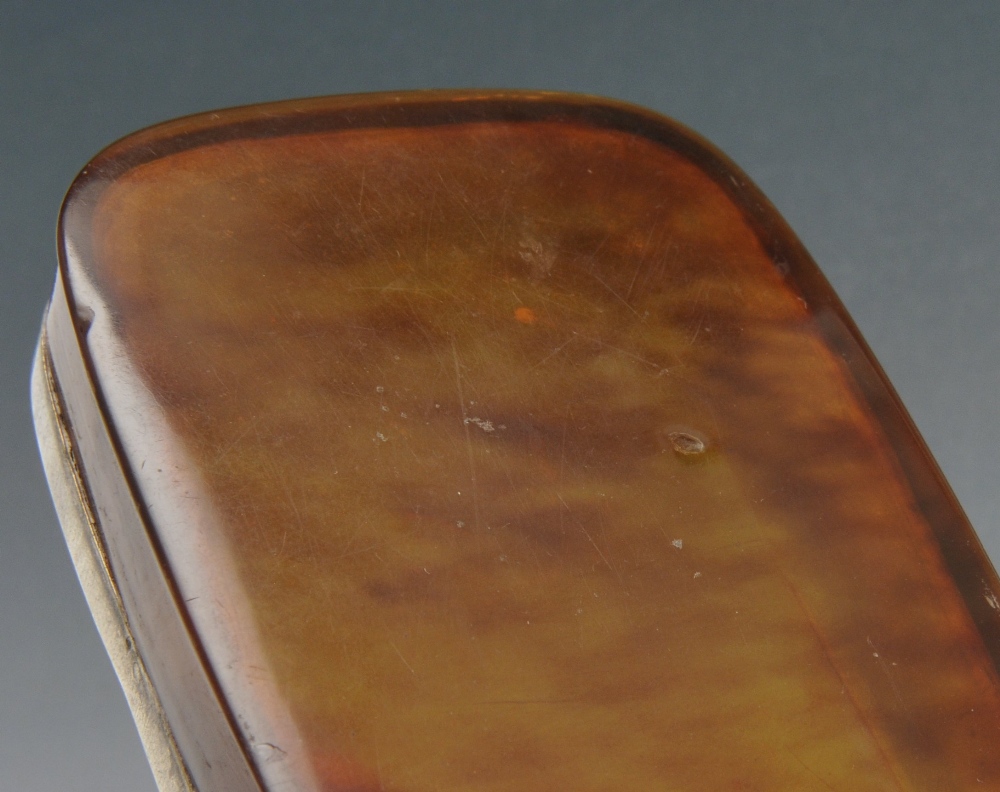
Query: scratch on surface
[[430, 221], [378, 770], [295, 510], [463, 201], [845, 686], [391, 287], [468, 436], [886, 670], [408, 666], [593, 255], [590, 539], [562, 447], [553, 353], [623, 301], [642, 261], [495, 702], [701, 316], [501, 229], [359, 551], [816, 775], [562, 467], [236, 440], [625, 352]]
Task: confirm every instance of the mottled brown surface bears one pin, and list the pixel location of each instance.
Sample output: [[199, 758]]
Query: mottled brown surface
[[539, 472]]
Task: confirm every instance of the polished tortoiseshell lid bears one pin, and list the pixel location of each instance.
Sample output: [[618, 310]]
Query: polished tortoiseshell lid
[[507, 442]]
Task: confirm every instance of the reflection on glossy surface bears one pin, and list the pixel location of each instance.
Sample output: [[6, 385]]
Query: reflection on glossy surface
[[540, 468]]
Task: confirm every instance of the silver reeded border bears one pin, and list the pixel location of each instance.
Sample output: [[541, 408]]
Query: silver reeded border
[[83, 538]]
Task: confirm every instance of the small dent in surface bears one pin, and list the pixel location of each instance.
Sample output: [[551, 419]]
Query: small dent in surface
[[686, 443], [84, 318]]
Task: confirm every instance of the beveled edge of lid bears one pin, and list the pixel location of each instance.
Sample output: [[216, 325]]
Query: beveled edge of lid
[[82, 536]]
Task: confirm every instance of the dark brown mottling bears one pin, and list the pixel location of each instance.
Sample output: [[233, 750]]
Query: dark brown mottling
[[539, 461]]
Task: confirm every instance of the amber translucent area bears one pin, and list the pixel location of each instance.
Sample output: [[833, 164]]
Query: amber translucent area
[[541, 468]]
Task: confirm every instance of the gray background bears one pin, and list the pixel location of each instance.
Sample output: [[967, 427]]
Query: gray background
[[872, 126]]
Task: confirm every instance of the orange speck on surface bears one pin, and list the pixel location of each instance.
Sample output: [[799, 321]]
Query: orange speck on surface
[[525, 315]]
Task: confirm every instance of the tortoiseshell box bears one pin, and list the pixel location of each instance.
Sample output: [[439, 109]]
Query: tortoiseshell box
[[494, 441]]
